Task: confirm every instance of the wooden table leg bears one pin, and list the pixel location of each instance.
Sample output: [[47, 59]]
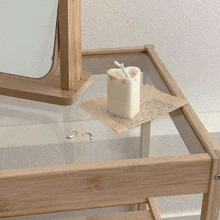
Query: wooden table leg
[[144, 150], [70, 42], [145, 140], [211, 200], [145, 129], [154, 209]]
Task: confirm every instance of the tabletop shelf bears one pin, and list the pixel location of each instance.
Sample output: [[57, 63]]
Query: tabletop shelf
[[79, 186]]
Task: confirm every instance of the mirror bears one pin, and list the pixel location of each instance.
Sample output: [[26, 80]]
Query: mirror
[[27, 36]]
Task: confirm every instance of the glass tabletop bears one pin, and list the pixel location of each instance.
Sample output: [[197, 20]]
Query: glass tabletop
[[33, 134]]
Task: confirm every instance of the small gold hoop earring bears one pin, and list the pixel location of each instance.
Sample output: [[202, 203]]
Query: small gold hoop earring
[[73, 135], [91, 136]]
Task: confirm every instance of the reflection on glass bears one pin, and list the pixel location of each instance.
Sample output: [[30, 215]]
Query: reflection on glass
[[43, 128], [182, 133], [27, 36]]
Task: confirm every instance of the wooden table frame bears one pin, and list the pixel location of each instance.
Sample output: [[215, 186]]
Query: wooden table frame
[[65, 80], [112, 183]]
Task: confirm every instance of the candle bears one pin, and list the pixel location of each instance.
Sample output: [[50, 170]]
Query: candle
[[123, 93]]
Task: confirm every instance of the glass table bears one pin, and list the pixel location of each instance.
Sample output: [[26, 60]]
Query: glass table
[[44, 172]]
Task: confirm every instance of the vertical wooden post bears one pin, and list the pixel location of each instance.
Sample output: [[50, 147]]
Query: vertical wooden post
[[145, 140], [144, 153], [211, 200], [70, 42], [78, 39]]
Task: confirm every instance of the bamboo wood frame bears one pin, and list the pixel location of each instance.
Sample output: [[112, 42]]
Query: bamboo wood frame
[[65, 80], [135, 181]]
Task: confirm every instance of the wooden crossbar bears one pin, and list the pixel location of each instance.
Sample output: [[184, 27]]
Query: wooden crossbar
[[135, 215], [89, 185]]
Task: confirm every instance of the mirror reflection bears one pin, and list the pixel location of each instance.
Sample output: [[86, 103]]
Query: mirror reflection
[[27, 36]]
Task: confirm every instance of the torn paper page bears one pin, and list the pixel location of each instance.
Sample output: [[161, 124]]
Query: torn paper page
[[154, 103]]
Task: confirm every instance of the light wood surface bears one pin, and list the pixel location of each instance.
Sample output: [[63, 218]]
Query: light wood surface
[[145, 130], [46, 89], [76, 17], [81, 186], [154, 209], [119, 50], [211, 200], [70, 42], [135, 215], [144, 151]]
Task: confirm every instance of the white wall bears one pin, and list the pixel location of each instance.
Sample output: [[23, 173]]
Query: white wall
[[185, 33]]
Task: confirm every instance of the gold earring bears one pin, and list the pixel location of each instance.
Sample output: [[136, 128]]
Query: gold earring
[[73, 135], [91, 136]]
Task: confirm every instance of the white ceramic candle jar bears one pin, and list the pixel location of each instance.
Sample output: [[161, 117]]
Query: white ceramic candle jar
[[123, 94]]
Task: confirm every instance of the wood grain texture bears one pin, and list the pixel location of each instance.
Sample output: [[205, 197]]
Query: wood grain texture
[[138, 215], [211, 200], [119, 50], [154, 209], [145, 150], [70, 42], [145, 130], [78, 37], [47, 89], [200, 130], [82, 186]]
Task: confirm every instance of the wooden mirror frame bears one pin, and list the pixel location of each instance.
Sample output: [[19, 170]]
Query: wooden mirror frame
[[65, 80]]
